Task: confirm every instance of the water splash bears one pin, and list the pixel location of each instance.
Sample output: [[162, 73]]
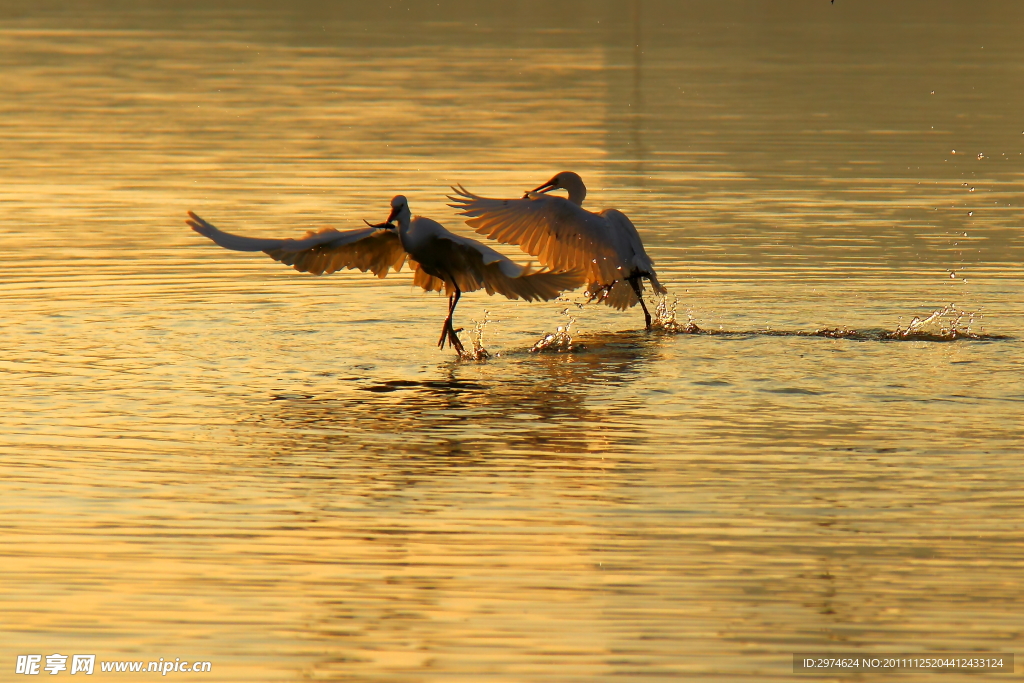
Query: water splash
[[665, 318], [478, 352], [944, 324], [559, 341]]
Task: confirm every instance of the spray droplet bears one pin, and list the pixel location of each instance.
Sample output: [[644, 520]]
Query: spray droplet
[[559, 341], [953, 152], [952, 274], [971, 190], [970, 213], [980, 155]]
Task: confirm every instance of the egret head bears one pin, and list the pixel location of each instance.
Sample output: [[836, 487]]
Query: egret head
[[566, 180], [399, 206], [399, 211]]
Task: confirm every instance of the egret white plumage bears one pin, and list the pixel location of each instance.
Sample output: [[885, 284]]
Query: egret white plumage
[[439, 258], [563, 235]]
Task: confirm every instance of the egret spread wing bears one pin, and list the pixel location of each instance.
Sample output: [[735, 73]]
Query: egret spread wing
[[561, 234], [471, 265], [369, 249], [366, 249]]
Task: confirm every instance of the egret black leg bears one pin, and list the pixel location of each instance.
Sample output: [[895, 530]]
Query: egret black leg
[[635, 282], [453, 338], [448, 332], [447, 323]]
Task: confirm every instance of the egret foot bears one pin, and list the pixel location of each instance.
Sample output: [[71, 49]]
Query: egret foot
[[450, 335], [454, 342]]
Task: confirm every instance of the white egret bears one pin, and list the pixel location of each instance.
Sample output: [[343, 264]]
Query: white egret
[[564, 235], [439, 258]]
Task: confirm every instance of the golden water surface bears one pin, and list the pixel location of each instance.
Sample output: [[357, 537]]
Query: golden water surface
[[205, 455]]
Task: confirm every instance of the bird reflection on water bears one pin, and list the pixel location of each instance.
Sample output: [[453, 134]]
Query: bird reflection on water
[[538, 405]]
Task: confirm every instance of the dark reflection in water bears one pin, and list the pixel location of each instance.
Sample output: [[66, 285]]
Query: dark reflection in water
[[537, 404]]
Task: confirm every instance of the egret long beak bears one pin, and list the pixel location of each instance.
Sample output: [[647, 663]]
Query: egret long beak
[[388, 224], [546, 187]]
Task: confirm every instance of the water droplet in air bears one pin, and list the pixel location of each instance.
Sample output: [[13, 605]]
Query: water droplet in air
[[953, 152], [952, 274], [933, 92], [970, 213], [971, 190], [980, 155]]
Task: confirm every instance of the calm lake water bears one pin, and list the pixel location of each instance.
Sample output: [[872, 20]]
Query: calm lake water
[[205, 455]]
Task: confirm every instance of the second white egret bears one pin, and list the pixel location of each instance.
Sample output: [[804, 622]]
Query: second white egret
[[564, 235]]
